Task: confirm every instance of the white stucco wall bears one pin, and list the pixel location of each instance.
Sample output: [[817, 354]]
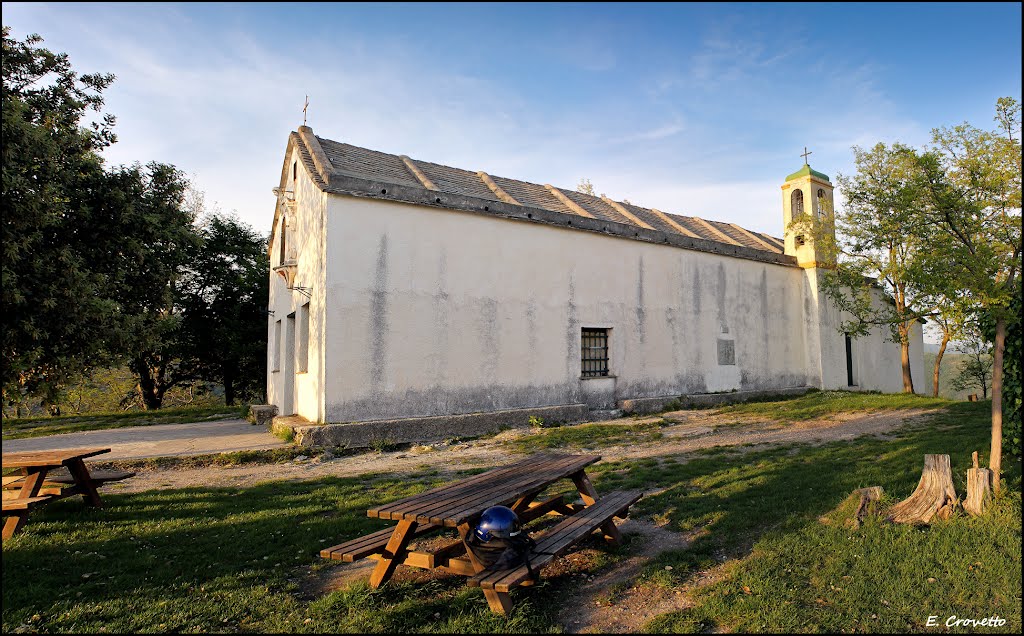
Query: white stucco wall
[[434, 312], [876, 358], [307, 236]]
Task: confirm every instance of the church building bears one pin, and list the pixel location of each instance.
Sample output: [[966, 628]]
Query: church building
[[407, 293]]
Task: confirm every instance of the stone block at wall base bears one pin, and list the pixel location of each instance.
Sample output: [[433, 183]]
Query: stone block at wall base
[[428, 429], [262, 413], [657, 404]]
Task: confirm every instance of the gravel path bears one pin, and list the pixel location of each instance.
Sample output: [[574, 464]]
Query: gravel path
[[158, 440], [692, 431]]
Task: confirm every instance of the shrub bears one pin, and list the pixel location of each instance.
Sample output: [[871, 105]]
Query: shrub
[[673, 405]]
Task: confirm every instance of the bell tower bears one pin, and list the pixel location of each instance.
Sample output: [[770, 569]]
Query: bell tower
[[807, 199]]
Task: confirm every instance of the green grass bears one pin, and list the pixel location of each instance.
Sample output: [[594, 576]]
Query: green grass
[[818, 404], [233, 559], [226, 560], [795, 573], [232, 458], [16, 428], [587, 436]]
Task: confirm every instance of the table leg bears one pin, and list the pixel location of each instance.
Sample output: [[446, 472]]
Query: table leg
[[499, 602], [590, 496], [85, 485], [523, 503], [392, 554], [33, 481]]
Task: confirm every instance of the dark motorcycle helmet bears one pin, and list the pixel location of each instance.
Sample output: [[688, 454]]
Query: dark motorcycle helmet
[[498, 522]]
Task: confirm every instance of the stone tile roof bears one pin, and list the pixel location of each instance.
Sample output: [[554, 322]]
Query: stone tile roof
[[368, 172]]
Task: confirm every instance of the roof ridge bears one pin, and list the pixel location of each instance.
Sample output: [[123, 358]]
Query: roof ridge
[[567, 202], [416, 172]]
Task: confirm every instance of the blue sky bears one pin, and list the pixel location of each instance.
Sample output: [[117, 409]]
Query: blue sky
[[698, 109]]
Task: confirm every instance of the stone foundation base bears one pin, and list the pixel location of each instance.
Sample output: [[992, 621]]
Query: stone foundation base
[[432, 429], [424, 429], [262, 413], [657, 404]]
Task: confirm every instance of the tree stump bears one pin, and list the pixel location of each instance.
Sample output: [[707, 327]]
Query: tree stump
[[979, 488], [869, 498], [934, 496], [858, 506]]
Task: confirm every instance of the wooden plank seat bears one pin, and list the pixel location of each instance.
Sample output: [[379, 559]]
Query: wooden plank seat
[[24, 503], [367, 545], [98, 477], [13, 481], [558, 540], [59, 482]]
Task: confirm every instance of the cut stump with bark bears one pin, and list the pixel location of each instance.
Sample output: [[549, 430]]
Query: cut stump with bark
[[979, 488], [868, 505], [934, 496], [858, 506]]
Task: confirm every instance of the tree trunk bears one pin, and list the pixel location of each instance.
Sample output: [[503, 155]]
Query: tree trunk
[[938, 361], [908, 380], [151, 396], [979, 491], [995, 461], [229, 389], [934, 496]]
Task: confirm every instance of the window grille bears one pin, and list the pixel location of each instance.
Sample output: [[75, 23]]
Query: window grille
[[594, 358]]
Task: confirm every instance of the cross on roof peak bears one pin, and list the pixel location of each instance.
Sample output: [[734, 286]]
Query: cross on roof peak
[[806, 152]]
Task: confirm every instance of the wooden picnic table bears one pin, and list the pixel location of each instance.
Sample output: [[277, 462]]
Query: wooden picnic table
[[47, 475], [459, 505]]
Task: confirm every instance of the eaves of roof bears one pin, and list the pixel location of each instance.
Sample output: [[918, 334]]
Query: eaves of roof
[[347, 170]]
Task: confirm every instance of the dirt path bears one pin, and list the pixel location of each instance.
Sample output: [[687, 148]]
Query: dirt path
[[612, 602], [158, 440], [692, 431]]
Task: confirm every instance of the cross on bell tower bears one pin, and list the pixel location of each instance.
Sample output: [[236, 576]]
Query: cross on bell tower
[[806, 152]]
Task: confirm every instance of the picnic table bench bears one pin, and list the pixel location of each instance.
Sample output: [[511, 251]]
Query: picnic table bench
[[459, 505], [44, 476]]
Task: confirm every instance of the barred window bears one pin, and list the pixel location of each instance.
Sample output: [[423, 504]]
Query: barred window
[[797, 202], [595, 353]]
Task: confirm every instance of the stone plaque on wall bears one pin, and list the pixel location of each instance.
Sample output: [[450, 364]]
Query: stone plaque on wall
[[726, 352]]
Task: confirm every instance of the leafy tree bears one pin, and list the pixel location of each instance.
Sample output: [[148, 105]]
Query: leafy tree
[[57, 315], [586, 187], [952, 315], [877, 246], [149, 262], [971, 179], [105, 266], [222, 299], [976, 367], [1012, 361]]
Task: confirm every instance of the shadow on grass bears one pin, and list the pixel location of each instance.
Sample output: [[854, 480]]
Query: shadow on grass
[[226, 559]]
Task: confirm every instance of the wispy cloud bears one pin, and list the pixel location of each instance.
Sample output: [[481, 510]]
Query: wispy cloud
[[654, 134], [705, 122]]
